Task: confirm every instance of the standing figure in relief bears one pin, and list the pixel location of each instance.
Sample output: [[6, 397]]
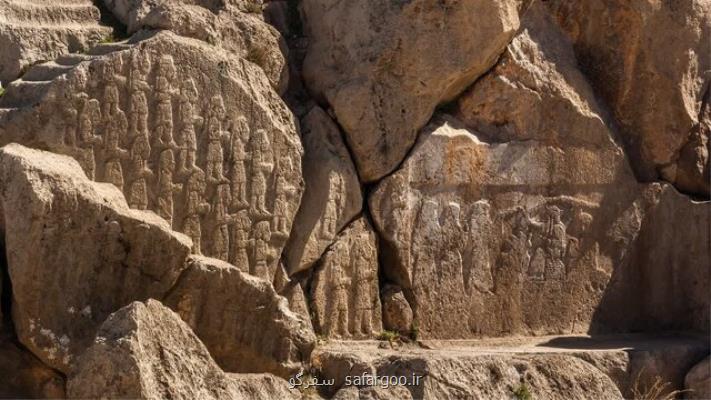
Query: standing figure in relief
[[166, 187], [364, 276], [239, 255], [262, 165], [338, 321], [111, 90], [450, 258], [138, 86], [187, 140], [89, 120], [140, 152], [195, 206], [479, 263], [215, 158], [329, 227], [165, 75], [425, 236], [556, 244], [262, 236], [238, 157], [221, 235], [115, 131], [281, 204]]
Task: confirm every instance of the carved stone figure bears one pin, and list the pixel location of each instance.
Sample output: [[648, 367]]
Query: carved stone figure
[[478, 275], [220, 219], [110, 81], [195, 207], [239, 254], [139, 153], [187, 141], [261, 252], [284, 191], [329, 225], [89, 120], [165, 74], [365, 275], [166, 186], [115, 130], [340, 283], [238, 157], [215, 157], [262, 164], [138, 86]]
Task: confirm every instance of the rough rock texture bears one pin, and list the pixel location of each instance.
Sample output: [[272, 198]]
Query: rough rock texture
[[23, 376], [345, 299], [456, 374], [397, 313], [241, 319], [654, 83], [76, 252], [33, 31], [698, 381], [184, 129], [332, 197], [234, 25], [382, 67], [145, 351]]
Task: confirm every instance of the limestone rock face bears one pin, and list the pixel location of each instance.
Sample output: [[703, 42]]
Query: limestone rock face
[[236, 26], [145, 351], [24, 376], [499, 376], [383, 67], [397, 314], [184, 129], [241, 319], [33, 31], [332, 197], [497, 238], [76, 252], [344, 293], [654, 83], [698, 380]]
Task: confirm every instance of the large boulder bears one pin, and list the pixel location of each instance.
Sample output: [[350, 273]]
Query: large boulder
[[514, 225], [332, 197], [184, 129], [655, 84], [76, 252], [32, 31], [345, 298], [383, 67], [241, 319], [234, 25], [144, 351]]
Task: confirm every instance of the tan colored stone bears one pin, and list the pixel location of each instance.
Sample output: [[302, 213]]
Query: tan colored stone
[[145, 351], [383, 67], [654, 83], [293, 291], [332, 197], [241, 319], [34, 31], [24, 377], [698, 381], [236, 26], [184, 129], [397, 313], [76, 252], [344, 297]]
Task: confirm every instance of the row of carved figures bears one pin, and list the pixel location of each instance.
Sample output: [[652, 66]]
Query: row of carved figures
[[125, 147]]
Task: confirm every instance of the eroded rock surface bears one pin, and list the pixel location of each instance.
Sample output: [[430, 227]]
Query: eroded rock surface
[[241, 319], [24, 376], [234, 25], [698, 380], [184, 129], [332, 197], [397, 313], [654, 83], [146, 351], [345, 299], [34, 31], [384, 67], [76, 252]]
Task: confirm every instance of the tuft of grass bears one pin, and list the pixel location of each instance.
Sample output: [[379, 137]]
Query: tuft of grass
[[390, 336], [521, 392], [2, 91], [107, 39], [414, 331], [658, 390]]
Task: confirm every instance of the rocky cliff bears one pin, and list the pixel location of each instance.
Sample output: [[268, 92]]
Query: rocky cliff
[[214, 198]]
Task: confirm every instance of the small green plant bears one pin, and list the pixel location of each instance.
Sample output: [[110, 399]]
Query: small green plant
[[414, 331], [521, 392], [107, 39], [2, 91], [658, 390], [390, 336]]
